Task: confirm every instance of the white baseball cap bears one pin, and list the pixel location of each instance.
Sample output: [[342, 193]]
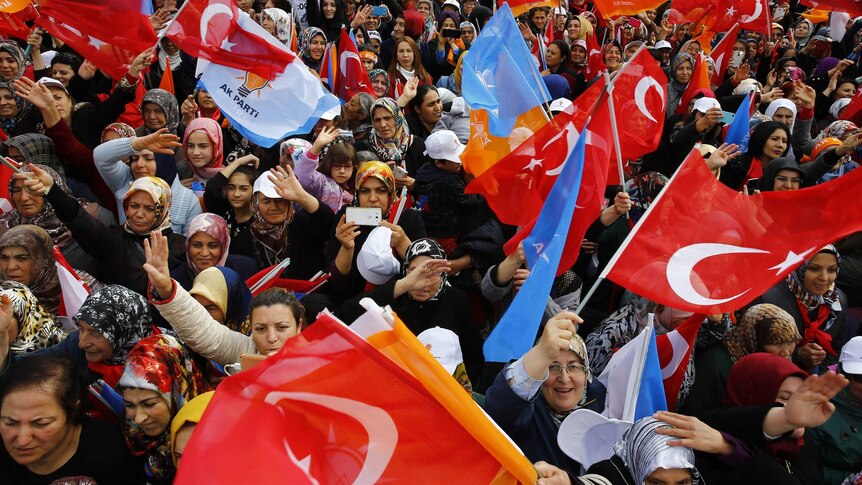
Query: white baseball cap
[[375, 261], [265, 186], [560, 104], [444, 145], [560, 11], [663, 44], [331, 113], [703, 104], [851, 356], [588, 437], [50, 82], [453, 3], [444, 345]]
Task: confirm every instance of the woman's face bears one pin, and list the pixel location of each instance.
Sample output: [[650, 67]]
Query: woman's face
[[775, 146], [35, 429], [211, 308], [317, 47], [783, 116], [353, 109], [578, 55], [553, 56], [143, 164], [425, 9], [448, 23], [205, 100], [63, 73], [328, 7], [199, 149], [383, 122], [664, 476], [155, 117], [8, 66], [8, 106], [63, 103], [27, 203], [204, 250], [360, 37], [693, 49], [271, 326], [268, 24], [373, 193], [574, 29], [398, 28], [141, 212], [378, 84], [148, 409], [405, 55], [94, 344], [368, 64], [429, 291], [273, 211], [786, 179], [431, 109], [245, 5], [821, 273], [682, 72], [181, 439], [613, 58], [468, 35], [238, 191], [787, 388], [783, 350], [16, 264], [844, 90], [564, 390], [802, 30]]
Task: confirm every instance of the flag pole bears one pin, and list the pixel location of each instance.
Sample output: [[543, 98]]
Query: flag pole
[[616, 134]]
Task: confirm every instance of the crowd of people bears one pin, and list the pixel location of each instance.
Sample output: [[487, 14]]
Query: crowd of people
[[164, 210]]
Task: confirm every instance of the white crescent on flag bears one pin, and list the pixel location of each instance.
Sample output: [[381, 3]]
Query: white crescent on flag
[[681, 265]]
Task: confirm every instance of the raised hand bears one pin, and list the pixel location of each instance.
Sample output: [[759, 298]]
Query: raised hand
[[37, 94], [189, 110], [346, 232], [286, 184], [810, 405], [693, 433], [159, 142], [324, 138], [156, 251], [38, 181], [143, 60], [87, 70]]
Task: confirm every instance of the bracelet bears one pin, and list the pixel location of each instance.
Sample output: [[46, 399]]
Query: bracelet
[[128, 81]]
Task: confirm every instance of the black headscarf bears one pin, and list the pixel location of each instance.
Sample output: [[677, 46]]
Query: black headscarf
[[122, 316], [425, 247]]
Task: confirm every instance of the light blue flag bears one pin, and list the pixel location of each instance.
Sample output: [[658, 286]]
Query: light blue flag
[[738, 132], [498, 74], [651, 396], [516, 331]]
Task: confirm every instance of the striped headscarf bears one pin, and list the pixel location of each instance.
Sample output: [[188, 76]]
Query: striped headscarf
[[160, 192]]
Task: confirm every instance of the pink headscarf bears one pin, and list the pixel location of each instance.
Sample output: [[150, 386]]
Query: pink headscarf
[[213, 225], [213, 132]]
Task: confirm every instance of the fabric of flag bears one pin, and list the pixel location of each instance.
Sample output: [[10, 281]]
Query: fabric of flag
[[266, 111], [721, 15], [167, 81], [352, 78], [500, 75], [516, 331], [5, 196], [852, 111], [330, 408], [633, 379], [110, 34], [639, 92], [614, 8], [679, 252], [852, 7], [738, 132], [12, 6], [674, 353], [722, 54], [212, 30], [595, 62], [651, 392], [329, 65], [484, 150], [13, 24], [699, 80], [520, 6]]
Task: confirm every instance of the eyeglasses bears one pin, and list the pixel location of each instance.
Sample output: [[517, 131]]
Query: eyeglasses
[[346, 168], [574, 370], [794, 181]]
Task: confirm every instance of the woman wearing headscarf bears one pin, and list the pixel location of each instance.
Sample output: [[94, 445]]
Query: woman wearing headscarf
[[446, 51], [225, 296], [681, 71], [763, 328], [159, 378], [160, 109], [12, 62], [202, 143], [327, 16], [13, 108], [27, 257], [147, 156], [379, 82], [391, 139], [452, 82], [185, 421], [423, 299], [531, 396], [817, 306], [208, 245], [37, 328], [277, 22], [182, 68], [357, 114], [312, 45]]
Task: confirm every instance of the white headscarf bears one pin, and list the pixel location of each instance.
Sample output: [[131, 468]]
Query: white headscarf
[[781, 103], [644, 451]]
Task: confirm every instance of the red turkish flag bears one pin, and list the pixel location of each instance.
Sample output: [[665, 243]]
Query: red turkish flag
[[331, 408], [595, 62], [13, 24], [721, 15], [639, 91], [674, 353], [699, 80], [110, 34], [722, 53], [853, 110], [352, 77], [852, 7], [209, 29], [687, 250]]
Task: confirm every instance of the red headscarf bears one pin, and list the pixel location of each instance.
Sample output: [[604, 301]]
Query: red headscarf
[[213, 131]]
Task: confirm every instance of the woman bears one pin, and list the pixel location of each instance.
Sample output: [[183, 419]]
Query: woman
[[573, 31], [35, 327], [763, 328], [612, 55], [277, 22], [281, 231], [783, 111], [47, 437], [818, 307], [578, 57], [357, 114], [426, 109], [802, 32], [274, 317], [447, 50], [379, 82], [12, 63], [184, 423], [682, 69], [453, 81], [159, 378], [530, 398], [224, 294], [406, 65], [12, 109], [769, 140], [375, 188], [182, 68], [202, 143], [27, 256], [328, 16], [557, 58], [208, 245], [159, 109], [229, 194], [326, 170], [312, 45], [391, 139]]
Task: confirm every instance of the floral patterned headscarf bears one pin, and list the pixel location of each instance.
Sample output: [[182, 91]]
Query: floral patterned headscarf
[[305, 45], [168, 103], [37, 328], [122, 129], [214, 226], [122, 316], [8, 125], [44, 282], [764, 324], [394, 148], [160, 192], [281, 19], [381, 172]]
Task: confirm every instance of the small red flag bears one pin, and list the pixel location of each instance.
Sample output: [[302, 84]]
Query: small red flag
[[852, 111], [722, 53], [852, 7], [595, 62], [167, 82], [13, 24], [674, 353], [351, 78], [699, 80]]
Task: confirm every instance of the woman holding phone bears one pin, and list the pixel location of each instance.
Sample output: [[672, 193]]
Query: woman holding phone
[[447, 45]]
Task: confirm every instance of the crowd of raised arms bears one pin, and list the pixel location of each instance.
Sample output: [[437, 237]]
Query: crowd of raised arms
[[164, 210]]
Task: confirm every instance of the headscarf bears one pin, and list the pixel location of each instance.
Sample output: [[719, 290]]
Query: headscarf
[[754, 380], [644, 451], [796, 281], [213, 225], [381, 172], [225, 288], [176, 58], [38, 149], [212, 130], [679, 59], [160, 192], [305, 45], [191, 413], [17, 54], [837, 106], [837, 129], [395, 148], [781, 103], [168, 103], [8, 125], [122, 129], [376, 72], [425, 247], [764, 324], [36, 326], [161, 364], [586, 26], [800, 42], [281, 19], [273, 238], [44, 282], [479, 16], [825, 65], [557, 86], [122, 316]]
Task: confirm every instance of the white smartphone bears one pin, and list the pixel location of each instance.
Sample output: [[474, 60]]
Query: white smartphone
[[399, 172], [736, 59], [364, 216]]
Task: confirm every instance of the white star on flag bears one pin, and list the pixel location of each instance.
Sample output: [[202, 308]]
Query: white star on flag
[[731, 11], [227, 45], [791, 260], [96, 42]]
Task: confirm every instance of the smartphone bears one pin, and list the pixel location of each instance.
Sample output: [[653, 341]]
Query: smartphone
[[399, 172], [753, 184], [727, 118], [779, 12], [635, 23], [379, 11], [364, 216], [736, 59], [451, 33]]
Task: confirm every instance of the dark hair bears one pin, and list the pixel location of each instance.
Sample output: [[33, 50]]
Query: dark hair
[[338, 154], [279, 296], [246, 170], [564, 55], [421, 91], [69, 59], [55, 374], [282, 4], [761, 134], [419, 69]]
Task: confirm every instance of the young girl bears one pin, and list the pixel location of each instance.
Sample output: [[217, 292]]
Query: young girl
[[202, 143], [332, 182], [228, 194]]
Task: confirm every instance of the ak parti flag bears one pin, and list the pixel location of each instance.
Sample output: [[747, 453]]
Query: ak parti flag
[[110, 34], [520, 6], [12, 6], [679, 252], [674, 354], [699, 80], [722, 53], [484, 149], [614, 8], [210, 29], [331, 408]]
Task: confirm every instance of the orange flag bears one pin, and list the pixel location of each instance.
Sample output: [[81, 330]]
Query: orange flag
[[484, 150], [167, 82], [699, 80], [614, 8]]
